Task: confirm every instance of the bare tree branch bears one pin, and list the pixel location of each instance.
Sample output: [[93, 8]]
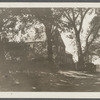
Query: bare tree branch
[[89, 34], [76, 16], [73, 15], [93, 37], [69, 19], [82, 18]]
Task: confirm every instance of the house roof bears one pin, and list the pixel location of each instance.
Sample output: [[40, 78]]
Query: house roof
[[32, 42], [68, 52]]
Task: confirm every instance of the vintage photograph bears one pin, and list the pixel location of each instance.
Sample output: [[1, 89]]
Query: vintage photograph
[[49, 49]]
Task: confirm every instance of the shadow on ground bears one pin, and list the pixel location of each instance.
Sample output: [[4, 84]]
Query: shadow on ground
[[44, 76]]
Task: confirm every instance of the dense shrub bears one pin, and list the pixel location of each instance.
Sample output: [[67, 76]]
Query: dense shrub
[[16, 51]]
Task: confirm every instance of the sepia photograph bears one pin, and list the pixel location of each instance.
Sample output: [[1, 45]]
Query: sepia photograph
[[53, 47]]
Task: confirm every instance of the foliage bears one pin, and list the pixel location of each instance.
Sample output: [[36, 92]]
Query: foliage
[[15, 50], [20, 20], [39, 50]]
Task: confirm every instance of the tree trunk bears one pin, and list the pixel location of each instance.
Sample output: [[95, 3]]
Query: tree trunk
[[86, 53], [49, 43], [86, 56], [80, 62], [80, 54]]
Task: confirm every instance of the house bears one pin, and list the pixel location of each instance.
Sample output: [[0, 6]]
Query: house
[[32, 44], [62, 56]]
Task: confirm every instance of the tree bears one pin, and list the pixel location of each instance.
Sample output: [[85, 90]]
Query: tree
[[31, 16], [73, 20], [50, 19], [4, 14], [92, 44], [92, 37]]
